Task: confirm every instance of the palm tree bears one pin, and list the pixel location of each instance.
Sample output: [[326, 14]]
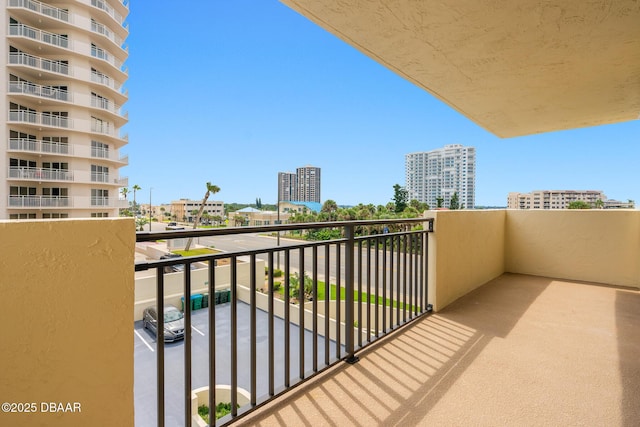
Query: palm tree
[[211, 189], [135, 188], [124, 191]]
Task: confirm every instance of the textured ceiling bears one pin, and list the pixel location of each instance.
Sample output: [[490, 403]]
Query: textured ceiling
[[513, 67]]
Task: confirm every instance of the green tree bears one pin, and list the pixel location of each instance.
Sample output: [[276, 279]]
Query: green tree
[[439, 202], [400, 198], [419, 206], [599, 204], [330, 207], [135, 188], [579, 204], [211, 189], [258, 203], [454, 203]]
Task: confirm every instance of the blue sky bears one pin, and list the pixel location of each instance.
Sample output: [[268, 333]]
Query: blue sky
[[233, 92]]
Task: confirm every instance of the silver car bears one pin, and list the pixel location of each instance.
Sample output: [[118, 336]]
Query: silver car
[[173, 322]]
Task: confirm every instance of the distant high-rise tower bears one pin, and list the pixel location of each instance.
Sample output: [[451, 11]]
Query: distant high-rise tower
[[62, 68], [287, 186], [302, 186], [308, 184], [441, 173]]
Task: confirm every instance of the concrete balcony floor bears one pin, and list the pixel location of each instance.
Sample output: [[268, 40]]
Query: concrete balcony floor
[[520, 350]]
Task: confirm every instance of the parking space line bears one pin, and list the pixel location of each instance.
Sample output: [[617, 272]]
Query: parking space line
[[143, 340], [197, 330]]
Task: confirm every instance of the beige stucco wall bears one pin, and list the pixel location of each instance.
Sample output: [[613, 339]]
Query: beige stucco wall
[[466, 251], [592, 245], [67, 291]]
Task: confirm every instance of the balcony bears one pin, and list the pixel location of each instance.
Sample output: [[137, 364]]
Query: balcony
[[536, 321], [34, 118], [39, 64], [106, 105], [77, 176], [67, 150], [68, 202], [45, 37], [106, 8], [47, 92], [110, 35], [40, 8]]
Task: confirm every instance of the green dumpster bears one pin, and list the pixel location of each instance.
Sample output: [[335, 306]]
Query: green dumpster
[[217, 298], [196, 302], [205, 300], [223, 297]]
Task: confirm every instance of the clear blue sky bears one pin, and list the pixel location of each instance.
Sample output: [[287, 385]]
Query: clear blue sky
[[235, 91]]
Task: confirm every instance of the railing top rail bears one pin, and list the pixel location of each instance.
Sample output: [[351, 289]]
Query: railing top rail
[[149, 236]]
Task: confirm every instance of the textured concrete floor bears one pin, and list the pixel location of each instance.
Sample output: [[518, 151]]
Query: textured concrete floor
[[519, 351]]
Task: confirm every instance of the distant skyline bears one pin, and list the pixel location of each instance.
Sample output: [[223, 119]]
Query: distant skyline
[[241, 90]]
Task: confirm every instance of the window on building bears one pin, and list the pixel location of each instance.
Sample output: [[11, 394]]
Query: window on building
[[55, 215], [99, 173]]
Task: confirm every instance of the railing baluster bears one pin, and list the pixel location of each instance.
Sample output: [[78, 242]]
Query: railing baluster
[[271, 337], [252, 320], [187, 344], [234, 336], [327, 307], [376, 299], [301, 285], [338, 305], [212, 338], [359, 293], [160, 343], [384, 286], [287, 324], [314, 305], [398, 282], [348, 293]]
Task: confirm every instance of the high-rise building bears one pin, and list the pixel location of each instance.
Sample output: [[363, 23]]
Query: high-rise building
[[63, 72], [302, 186], [441, 173], [308, 184], [287, 186]]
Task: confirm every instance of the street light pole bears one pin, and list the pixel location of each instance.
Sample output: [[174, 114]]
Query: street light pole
[[278, 232], [150, 188]]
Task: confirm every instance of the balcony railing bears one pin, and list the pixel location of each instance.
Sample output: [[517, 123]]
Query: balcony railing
[[39, 202], [377, 268], [41, 8], [104, 30], [103, 5], [39, 35], [32, 117], [49, 147], [40, 174], [39, 63], [28, 88], [105, 104]]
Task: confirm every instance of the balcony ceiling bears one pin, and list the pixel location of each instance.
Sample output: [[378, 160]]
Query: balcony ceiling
[[513, 67]]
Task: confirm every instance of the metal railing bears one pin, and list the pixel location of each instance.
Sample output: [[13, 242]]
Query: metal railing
[[36, 34], [39, 201], [49, 92], [341, 294], [40, 174], [26, 116], [103, 5], [58, 67], [42, 8]]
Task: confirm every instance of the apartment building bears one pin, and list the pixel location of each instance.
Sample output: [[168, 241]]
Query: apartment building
[[553, 199], [63, 72], [287, 186], [183, 209], [302, 186], [441, 173]]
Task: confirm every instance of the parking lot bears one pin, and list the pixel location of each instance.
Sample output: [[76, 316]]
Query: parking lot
[[145, 360]]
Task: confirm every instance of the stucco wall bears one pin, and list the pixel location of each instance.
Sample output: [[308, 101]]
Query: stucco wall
[[67, 290], [466, 251], [592, 245]]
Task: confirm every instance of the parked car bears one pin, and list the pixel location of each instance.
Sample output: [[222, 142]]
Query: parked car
[[172, 268], [173, 322], [172, 224]]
